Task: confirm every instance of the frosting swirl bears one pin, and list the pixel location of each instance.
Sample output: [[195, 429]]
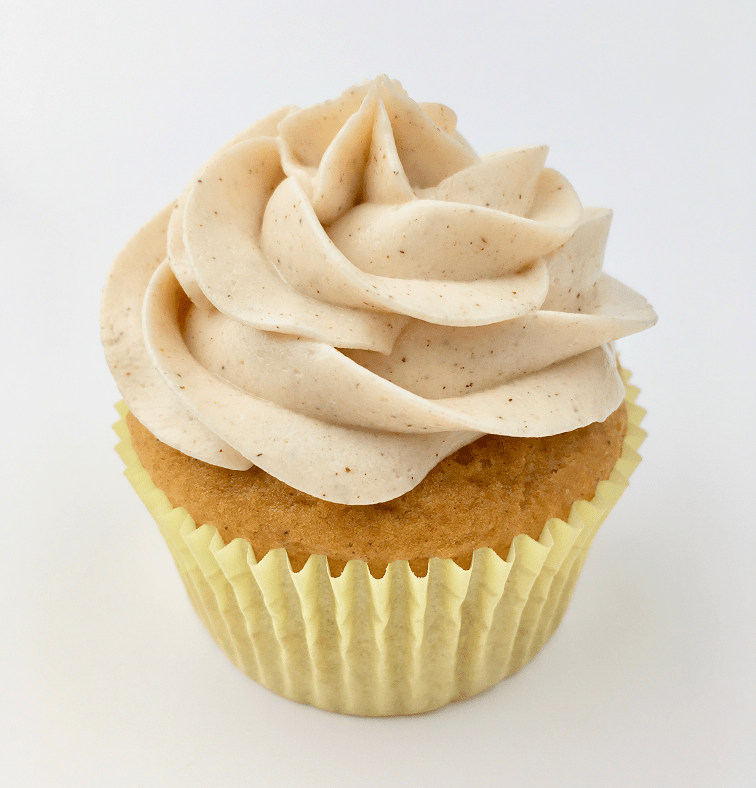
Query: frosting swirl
[[346, 294]]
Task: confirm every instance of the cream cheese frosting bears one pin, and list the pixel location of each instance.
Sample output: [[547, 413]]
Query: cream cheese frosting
[[346, 294]]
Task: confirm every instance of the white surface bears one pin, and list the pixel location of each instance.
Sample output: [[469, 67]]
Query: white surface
[[106, 675]]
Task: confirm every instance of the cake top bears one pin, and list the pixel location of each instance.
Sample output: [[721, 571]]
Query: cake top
[[346, 294]]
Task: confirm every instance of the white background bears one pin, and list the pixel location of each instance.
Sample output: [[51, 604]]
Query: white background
[[107, 678]]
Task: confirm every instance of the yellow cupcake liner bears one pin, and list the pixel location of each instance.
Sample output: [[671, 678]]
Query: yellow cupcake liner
[[400, 644]]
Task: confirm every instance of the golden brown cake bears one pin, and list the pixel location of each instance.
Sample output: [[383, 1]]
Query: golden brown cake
[[483, 495]]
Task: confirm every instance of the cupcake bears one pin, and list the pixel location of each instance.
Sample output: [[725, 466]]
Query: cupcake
[[372, 400]]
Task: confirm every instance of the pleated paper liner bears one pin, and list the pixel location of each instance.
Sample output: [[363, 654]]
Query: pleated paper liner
[[400, 644]]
